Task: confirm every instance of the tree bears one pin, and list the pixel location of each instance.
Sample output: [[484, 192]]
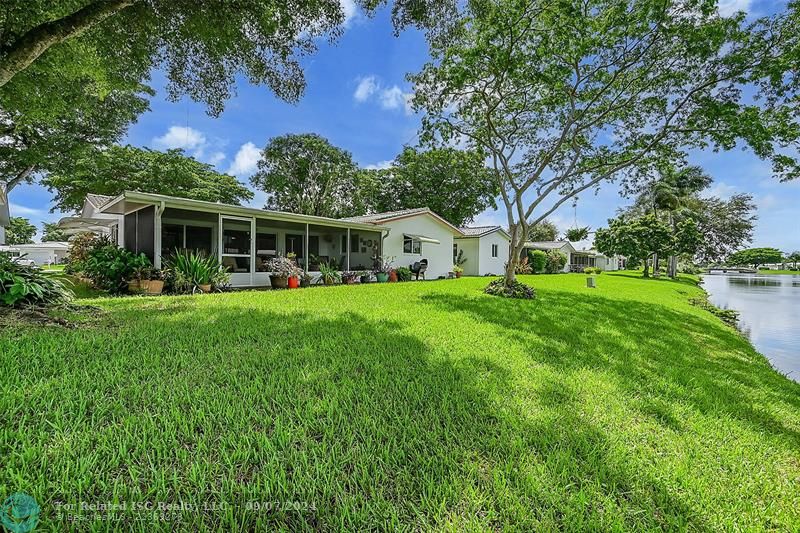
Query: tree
[[794, 257], [565, 97], [201, 47], [726, 226], [755, 257], [640, 238], [127, 168], [306, 174], [20, 231], [577, 234], [453, 183], [543, 231], [52, 232]]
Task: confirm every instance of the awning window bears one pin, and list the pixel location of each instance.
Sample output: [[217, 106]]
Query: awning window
[[421, 238]]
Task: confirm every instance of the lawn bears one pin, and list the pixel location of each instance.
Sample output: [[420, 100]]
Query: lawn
[[782, 272], [411, 406]]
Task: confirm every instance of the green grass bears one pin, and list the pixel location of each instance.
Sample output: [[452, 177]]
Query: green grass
[[784, 272], [411, 406], [79, 288]]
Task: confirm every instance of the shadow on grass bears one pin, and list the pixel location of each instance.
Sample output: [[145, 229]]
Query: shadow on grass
[[349, 413], [649, 348]]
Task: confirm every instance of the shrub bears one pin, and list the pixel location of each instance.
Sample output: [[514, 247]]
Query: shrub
[[689, 268], [523, 267], [22, 285], [538, 260], [403, 274], [189, 269], [283, 266], [79, 247], [109, 267], [592, 270], [329, 274], [555, 261], [516, 290]]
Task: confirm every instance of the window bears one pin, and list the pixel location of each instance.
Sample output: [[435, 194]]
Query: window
[[411, 246], [455, 253], [494, 250]]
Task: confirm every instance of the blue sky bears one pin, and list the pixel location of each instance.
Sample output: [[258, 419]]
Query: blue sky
[[356, 97]]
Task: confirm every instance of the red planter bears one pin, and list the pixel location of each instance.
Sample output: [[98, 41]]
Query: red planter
[[294, 282], [392, 276]]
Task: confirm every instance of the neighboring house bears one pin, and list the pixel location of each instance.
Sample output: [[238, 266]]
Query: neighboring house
[[565, 247], [245, 238], [592, 258], [416, 234], [485, 249], [44, 253], [5, 215]]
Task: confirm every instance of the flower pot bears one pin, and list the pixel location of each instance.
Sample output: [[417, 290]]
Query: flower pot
[[458, 274], [328, 281], [294, 282], [305, 283], [350, 281], [206, 287], [382, 277], [279, 282], [392, 277], [153, 287], [365, 279], [134, 286]]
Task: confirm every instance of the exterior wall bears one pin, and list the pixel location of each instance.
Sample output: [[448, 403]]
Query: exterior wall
[[493, 265], [2, 235], [89, 211], [439, 256], [472, 254], [41, 255]]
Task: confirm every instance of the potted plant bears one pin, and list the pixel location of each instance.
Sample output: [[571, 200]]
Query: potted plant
[[151, 281], [393, 276], [328, 274], [305, 280], [458, 271], [365, 277], [192, 271], [349, 278], [383, 265], [281, 268]]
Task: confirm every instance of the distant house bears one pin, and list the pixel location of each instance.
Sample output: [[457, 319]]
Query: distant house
[[565, 247], [245, 238], [577, 260], [41, 253], [485, 249]]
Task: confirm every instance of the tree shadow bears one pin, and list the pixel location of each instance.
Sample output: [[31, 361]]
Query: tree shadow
[[353, 415]]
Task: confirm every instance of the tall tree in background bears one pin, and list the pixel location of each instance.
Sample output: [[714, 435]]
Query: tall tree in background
[[127, 168], [565, 96], [52, 232], [453, 183], [543, 231], [755, 257], [20, 231], [306, 174]]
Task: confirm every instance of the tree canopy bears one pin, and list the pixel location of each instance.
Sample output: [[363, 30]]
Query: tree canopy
[[543, 231], [127, 168], [577, 234], [455, 184], [20, 231], [565, 97], [52, 232], [639, 238], [755, 257], [304, 173]]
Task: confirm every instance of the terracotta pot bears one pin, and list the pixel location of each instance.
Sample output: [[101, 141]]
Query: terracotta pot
[[205, 288], [279, 282], [350, 281], [134, 286], [382, 277], [392, 276], [294, 282], [154, 286], [458, 274]]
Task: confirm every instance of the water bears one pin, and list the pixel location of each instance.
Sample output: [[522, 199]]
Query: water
[[769, 313]]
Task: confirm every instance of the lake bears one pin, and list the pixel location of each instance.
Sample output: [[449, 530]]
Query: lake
[[769, 313]]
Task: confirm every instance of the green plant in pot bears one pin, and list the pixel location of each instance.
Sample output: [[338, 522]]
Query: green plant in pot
[[458, 270], [328, 274], [365, 276], [305, 280], [151, 280], [281, 269], [383, 266], [193, 271], [404, 274], [349, 278]]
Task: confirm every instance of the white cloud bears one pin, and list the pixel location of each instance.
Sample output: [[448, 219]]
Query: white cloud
[[181, 137], [380, 165], [728, 8], [768, 201], [18, 210], [720, 190], [395, 98], [216, 158], [350, 10], [246, 160], [367, 86]]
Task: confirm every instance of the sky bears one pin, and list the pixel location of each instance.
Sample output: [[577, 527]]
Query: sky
[[357, 97]]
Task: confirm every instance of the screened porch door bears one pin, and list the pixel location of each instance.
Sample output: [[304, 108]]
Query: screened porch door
[[237, 248]]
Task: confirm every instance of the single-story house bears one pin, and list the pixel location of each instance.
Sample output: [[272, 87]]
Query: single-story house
[[565, 247], [42, 253], [485, 249], [592, 258], [244, 238]]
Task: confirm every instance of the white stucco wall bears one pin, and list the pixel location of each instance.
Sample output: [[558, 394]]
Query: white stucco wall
[[489, 264], [471, 248], [439, 256]]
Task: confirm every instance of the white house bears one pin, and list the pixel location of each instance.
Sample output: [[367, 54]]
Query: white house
[[43, 253], [416, 234], [485, 249], [245, 238], [565, 247], [592, 258]]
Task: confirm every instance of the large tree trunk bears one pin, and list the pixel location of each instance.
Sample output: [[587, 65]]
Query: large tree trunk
[[656, 272], [514, 250], [37, 40], [672, 266], [646, 267]]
